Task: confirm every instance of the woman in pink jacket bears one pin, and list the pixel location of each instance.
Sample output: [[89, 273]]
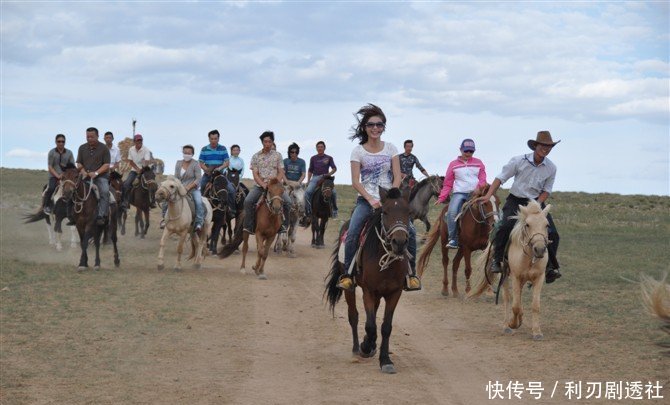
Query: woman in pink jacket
[[464, 174]]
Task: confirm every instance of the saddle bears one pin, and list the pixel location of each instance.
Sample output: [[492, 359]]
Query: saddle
[[359, 251]]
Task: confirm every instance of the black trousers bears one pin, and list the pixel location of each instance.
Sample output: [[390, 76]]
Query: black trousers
[[50, 191], [511, 208]]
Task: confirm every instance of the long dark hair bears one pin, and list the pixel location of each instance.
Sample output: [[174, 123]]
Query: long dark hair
[[363, 116]]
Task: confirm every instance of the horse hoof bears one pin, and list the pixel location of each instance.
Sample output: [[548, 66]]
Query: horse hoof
[[313, 245], [509, 330], [292, 255], [117, 263], [82, 268], [253, 267], [96, 268], [320, 247], [368, 355], [59, 248], [388, 369], [445, 293], [197, 266], [538, 337], [160, 267], [262, 277], [243, 270]]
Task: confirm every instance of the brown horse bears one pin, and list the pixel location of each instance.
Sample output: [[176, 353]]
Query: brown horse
[[241, 192], [381, 271], [268, 222], [321, 209], [475, 223], [79, 192], [142, 196]]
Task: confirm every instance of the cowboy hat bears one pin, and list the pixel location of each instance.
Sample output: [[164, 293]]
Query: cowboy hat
[[544, 138]]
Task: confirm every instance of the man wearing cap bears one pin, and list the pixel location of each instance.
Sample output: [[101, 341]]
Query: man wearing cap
[[408, 161], [534, 176], [266, 164], [464, 175], [93, 162], [138, 157], [214, 156]]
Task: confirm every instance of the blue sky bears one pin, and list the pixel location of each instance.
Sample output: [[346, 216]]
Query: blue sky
[[594, 74]]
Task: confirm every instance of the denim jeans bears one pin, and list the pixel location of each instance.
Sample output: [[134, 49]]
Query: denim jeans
[[455, 205], [362, 211], [103, 187], [254, 195], [309, 192], [128, 184], [199, 207]]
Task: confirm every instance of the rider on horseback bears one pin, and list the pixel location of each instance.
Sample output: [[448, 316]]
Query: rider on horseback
[[294, 167], [374, 164], [320, 165], [114, 152], [266, 165], [93, 162], [214, 157], [464, 174], [534, 177], [58, 158], [188, 172], [407, 162], [138, 157]]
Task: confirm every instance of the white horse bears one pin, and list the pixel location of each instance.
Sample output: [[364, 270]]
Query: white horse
[[285, 241], [178, 222]]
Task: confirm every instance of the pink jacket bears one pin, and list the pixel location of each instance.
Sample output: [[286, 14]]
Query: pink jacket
[[463, 177]]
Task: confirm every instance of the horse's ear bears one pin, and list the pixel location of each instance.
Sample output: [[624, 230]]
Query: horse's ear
[[181, 189], [523, 209], [546, 210], [382, 193]]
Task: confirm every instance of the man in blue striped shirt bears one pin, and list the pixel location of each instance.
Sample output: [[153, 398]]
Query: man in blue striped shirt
[[215, 157]]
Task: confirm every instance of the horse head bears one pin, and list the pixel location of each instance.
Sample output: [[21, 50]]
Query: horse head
[[297, 194], [327, 186], [170, 189], [274, 196], [532, 228], [233, 176], [69, 182], [395, 218], [436, 183]]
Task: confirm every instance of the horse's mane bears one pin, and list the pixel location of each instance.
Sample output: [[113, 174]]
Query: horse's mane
[[114, 175], [394, 193], [146, 169], [70, 166], [533, 208], [371, 240], [419, 186]]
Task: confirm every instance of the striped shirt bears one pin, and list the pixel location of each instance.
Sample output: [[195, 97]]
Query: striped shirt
[[213, 157]]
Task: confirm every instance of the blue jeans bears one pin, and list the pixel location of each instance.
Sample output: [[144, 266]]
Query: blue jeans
[[199, 207], [128, 184], [455, 205], [309, 192], [362, 211], [103, 187], [250, 201]]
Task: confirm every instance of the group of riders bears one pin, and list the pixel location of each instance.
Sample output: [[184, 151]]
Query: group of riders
[[374, 164]]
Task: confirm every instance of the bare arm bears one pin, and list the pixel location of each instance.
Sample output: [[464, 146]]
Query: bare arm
[[492, 190], [395, 166]]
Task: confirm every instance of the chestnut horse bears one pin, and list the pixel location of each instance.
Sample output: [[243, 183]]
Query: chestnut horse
[[268, 222], [381, 271], [79, 192], [526, 263], [321, 209], [475, 223]]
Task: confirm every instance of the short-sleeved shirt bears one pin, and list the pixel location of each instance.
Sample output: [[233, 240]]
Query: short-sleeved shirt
[[139, 156], [114, 156], [267, 164], [92, 158], [320, 164], [213, 157], [236, 163], [530, 180], [294, 169], [407, 163], [58, 161], [376, 168]]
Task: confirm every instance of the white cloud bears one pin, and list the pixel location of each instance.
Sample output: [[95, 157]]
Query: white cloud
[[25, 154]]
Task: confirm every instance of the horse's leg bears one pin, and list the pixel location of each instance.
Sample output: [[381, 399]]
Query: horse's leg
[[454, 272], [161, 249], [138, 219], [245, 248], [73, 237], [97, 235], [180, 250], [264, 257], [535, 322], [213, 241], [113, 237], [507, 297], [293, 229], [445, 270], [426, 222], [83, 244], [369, 345], [322, 231], [385, 362], [467, 255], [147, 212], [122, 220], [352, 314], [517, 308], [314, 228]]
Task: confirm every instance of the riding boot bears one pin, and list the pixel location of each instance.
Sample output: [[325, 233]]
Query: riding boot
[[45, 205]]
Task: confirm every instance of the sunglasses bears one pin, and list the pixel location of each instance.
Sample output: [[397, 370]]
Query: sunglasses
[[468, 151], [60, 141], [293, 151], [375, 124]]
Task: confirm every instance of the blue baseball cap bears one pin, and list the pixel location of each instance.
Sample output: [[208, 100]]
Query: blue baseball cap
[[468, 145]]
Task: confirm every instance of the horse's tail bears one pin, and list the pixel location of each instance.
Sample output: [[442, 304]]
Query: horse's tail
[[481, 273], [431, 240], [656, 298], [231, 246], [38, 216], [331, 292]]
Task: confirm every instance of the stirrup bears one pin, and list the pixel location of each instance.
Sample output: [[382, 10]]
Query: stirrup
[[346, 282], [412, 283]]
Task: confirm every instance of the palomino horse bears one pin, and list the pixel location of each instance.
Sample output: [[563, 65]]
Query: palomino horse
[[475, 223], [55, 219], [80, 193], [321, 209], [381, 271], [526, 263], [217, 194], [178, 221], [656, 298], [420, 196], [268, 222], [142, 197], [241, 192], [285, 241]]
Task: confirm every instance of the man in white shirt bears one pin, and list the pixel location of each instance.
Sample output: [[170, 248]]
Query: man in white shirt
[[138, 157], [114, 152]]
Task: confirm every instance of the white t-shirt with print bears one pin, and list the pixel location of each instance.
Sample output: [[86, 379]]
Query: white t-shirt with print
[[376, 168]]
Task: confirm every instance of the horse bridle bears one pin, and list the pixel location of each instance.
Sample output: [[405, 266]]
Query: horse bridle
[[220, 206], [529, 244], [76, 200], [389, 256], [485, 216], [268, 202], [172, 197]]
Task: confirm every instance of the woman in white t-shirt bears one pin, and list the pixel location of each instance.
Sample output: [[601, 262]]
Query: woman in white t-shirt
[[374, 164]]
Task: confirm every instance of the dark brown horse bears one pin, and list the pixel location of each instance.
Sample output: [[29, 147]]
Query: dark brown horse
[[80, 194], [116, 189], [217, 193], [322, 209], [241, 192], [268, 222], [381, 270], [142, 196], [475, 223]]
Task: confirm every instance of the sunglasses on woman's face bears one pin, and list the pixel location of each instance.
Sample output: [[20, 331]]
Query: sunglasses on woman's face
[[375, 124]]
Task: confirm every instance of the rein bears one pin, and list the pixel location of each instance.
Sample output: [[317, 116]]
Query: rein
[[173, 199], [389, 256], [268, 203], [76, 199]]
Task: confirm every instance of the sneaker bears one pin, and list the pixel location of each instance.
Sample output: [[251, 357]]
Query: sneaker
[[412, 283], [495, 267], [334, 214], [248, 231], [100, 220], [452, 244], [162, 224], [552, 275], [47, 210], [346, 283], [198, 228]]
